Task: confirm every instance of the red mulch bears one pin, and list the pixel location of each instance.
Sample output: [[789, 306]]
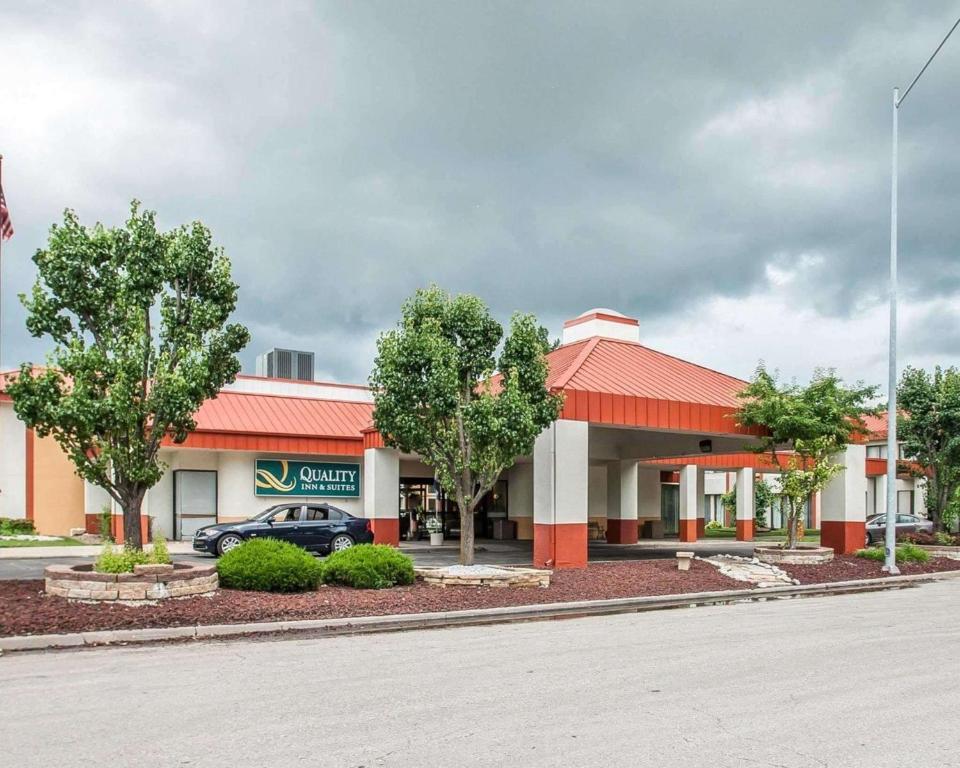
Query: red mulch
[[848, 568], [24, 609]]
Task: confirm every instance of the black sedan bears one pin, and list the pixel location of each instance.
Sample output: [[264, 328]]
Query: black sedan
[[315, 527]]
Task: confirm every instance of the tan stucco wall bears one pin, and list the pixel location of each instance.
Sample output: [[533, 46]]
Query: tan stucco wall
[[57, 491]]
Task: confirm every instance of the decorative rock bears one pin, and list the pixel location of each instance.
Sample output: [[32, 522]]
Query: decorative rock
[[484, 576], [800, 556], [752, 570]]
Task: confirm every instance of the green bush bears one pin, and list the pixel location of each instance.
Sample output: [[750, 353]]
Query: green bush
[[368, 566], [106, 527], [159, 554], [905, 553], [269, 565], [944, 539], [121, 561], [15, 526], [714, 525]]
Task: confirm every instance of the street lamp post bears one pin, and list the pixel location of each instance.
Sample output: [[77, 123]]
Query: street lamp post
[[890, 543]]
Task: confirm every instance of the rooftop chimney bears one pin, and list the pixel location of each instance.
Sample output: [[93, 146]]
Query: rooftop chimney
[[601, 322]]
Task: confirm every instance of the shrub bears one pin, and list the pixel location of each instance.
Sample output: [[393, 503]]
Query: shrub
[[14, 526], [905, 553], [714, 525], [160, 554], [269, 565], [106, 527], [945, 539], [368, 566], [121, 561]]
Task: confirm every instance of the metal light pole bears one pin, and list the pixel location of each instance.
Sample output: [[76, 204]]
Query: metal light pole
[[890, 543]]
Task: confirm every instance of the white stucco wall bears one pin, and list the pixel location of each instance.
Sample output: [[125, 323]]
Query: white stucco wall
[[236, 496], [520, 490], [648, 491], [13, 493]]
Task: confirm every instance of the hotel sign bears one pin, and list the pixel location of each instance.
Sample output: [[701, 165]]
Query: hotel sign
[[280, 477]]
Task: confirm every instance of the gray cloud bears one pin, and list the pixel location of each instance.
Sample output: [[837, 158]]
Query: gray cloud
[[547, 156]]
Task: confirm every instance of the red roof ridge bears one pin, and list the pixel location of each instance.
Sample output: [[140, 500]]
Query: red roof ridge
[[673, 357], [299, 381], [279, 395], [564, 378]]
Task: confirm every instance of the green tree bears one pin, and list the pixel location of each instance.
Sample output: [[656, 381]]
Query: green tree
[[804, 427], [436, 394], [763, 496], [138, 318], [929, 426]]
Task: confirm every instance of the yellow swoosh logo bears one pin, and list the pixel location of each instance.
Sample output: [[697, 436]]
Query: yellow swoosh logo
[[266, 479]]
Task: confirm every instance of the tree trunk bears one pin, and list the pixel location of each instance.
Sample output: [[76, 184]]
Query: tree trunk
[[792, 525], [466, 535], [131, 520]]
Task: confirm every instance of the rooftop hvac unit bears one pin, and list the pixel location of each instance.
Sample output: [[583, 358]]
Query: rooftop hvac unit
[[286, 364]]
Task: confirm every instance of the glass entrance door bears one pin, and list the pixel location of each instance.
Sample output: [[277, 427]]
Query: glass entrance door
[[669, 508], [194, 501]]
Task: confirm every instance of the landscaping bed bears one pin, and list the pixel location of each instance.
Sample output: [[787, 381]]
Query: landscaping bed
[[848, 568], [25, 610]]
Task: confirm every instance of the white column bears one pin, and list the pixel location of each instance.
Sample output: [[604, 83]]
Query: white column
[[701, 501], [843, 506], [560, 495], [622, 501], [689, 480], [520, 499], [745, 503], [381, 493]]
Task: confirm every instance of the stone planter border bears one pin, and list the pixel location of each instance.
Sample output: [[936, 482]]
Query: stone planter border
[[941, 550], [508, 576], [146, 584], [801, 556]]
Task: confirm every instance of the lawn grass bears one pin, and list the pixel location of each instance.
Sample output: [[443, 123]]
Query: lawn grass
[[776, 535], [5, 543]]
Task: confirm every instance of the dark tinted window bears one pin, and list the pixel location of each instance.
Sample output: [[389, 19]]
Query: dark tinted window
[[334, 514], [316, 513], [288, 515]]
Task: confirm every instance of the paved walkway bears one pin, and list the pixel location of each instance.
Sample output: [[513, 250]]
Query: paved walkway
[[793, 683]]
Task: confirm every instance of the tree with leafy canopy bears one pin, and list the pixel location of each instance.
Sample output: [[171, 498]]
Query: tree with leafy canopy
[[442, 391], [138, 318], [763, 497], [929, 427], [803, 428]]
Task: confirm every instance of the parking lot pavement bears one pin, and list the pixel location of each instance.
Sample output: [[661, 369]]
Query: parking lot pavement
[[782, 683]]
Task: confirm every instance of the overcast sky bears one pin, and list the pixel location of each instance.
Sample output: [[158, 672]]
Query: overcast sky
[[719, 170]]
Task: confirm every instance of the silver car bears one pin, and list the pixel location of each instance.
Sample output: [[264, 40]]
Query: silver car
[[877, 526]]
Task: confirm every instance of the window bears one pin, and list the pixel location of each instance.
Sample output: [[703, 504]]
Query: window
[[287, 515], [905, 502], [316, 513], [876, 451], [334, 514]]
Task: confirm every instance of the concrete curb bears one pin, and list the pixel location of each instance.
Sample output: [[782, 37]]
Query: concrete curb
[[474, 617]]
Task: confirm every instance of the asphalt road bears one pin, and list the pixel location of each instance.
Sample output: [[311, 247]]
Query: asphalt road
[[788, 683], [498, 553]]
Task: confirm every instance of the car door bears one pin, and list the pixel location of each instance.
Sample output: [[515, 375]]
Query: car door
[[284, 524], [316, 527], [906, 524]]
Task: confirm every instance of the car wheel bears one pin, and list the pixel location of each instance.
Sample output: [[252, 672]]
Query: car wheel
[[341, 542], [228, 542]]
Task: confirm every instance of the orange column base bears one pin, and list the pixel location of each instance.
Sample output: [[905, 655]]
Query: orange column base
[[843, 537], [744, 530], [688, 530], [560, 546], [701, 527], [621, 531], [386, 530]]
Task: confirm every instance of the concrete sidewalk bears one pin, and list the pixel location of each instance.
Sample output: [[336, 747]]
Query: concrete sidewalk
[[93, 550]]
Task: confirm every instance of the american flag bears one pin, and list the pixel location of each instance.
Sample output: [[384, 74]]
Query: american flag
[[6, 226]]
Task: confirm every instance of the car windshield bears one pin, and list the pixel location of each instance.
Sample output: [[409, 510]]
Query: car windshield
[[266, 513]]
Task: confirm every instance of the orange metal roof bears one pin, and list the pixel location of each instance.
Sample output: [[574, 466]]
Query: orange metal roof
[[251, 413], [627, 368]]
